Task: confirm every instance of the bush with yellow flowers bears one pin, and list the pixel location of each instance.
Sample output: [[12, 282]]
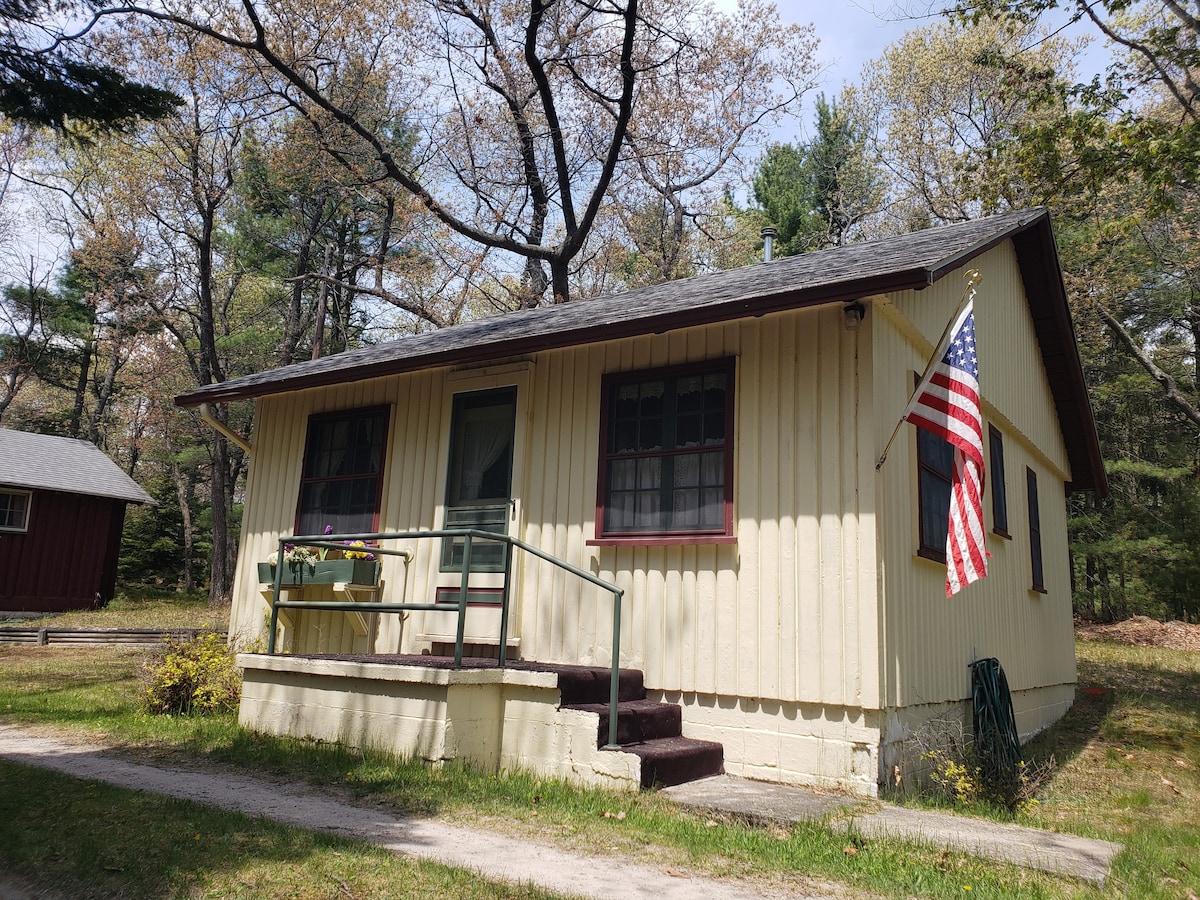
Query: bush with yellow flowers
[[192, 676]]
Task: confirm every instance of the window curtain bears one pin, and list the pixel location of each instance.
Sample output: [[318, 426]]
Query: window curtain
[[484, 442]]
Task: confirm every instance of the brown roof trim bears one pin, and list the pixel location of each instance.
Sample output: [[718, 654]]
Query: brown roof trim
[[906, 262], [482, 351], [1037, 258]]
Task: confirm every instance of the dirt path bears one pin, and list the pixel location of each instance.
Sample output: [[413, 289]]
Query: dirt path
[[491, 855]]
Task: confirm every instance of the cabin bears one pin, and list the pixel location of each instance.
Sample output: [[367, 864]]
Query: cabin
[[685, 473], [62, 508]]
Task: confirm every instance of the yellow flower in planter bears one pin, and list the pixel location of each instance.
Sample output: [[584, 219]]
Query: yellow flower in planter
[[355, 553]]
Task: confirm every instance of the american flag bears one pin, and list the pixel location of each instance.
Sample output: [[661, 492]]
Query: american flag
[[946, 403]]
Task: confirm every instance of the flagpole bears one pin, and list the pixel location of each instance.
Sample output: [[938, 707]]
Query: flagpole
[[973, 278]]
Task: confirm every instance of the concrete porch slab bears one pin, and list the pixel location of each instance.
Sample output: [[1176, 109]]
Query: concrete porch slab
[[756, 801], [759, 801]]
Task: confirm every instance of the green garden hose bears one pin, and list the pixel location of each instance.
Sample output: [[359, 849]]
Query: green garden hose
[[997, 744]]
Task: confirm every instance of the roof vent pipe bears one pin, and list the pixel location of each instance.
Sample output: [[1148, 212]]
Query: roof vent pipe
[[768, 236]]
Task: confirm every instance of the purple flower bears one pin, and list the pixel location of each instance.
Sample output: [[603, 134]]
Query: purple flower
[[288, 548], [329, 529]]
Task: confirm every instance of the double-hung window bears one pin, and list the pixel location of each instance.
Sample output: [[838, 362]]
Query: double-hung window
[[14, 510], [666, 454], [1035, 531], [343, 472], [996, 479], [935, 479]]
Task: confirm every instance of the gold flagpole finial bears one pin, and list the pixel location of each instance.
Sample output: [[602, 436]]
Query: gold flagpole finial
[[973, 277]]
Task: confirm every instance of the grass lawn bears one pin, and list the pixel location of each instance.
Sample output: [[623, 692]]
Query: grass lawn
[[1128, 769], [143, 608], [85, 839]]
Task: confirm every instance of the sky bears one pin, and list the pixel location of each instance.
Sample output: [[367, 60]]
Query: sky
[[851, 34], [854, 32]]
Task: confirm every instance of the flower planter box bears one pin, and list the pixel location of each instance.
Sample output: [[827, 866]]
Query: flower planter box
[[329, 571]]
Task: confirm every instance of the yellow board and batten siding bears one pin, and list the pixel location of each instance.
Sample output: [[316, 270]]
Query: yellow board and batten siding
[[787, 613], [929, 640], [819, 604]]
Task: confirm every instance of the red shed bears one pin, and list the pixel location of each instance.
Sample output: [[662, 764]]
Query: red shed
[[62, 507]]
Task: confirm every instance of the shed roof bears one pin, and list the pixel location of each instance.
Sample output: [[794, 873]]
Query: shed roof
[[45, 462], [907, 262]]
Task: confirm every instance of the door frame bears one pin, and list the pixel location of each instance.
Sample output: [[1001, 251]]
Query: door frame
[[483, 622]]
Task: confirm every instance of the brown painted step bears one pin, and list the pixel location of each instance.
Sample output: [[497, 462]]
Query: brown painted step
[[589, 684], [670, 761], [637, 720]]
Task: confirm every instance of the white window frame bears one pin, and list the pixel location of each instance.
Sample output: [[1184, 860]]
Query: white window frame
[[24, 527]]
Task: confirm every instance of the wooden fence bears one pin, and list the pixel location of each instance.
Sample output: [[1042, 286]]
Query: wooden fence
[[75, 637]]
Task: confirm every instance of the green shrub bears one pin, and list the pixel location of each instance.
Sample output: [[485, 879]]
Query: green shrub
[[195, 676]]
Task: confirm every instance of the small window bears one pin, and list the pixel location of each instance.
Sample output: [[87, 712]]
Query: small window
[[1035, 531], [996, 477], [14, 510], [935, 478], [343, 472], [666, 453]]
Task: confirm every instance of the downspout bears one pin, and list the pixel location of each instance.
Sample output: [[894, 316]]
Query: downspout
[[216, 424]]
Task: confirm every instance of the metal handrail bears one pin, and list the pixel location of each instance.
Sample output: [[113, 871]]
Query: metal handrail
[[469, 535]]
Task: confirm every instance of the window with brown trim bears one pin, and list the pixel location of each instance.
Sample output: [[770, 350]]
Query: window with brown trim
[[666, 454], [996, 479], [342, 478], [1035, 531], [935, 478], [14, 510]]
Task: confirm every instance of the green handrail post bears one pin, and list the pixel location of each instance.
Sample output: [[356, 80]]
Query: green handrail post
[[462, 601], [508, 555], [275, 599], [614, 690]]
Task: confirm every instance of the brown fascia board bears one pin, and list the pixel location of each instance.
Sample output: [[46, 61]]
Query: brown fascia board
[[907, 279], [1037, 258]]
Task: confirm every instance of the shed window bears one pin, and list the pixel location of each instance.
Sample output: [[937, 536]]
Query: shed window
[[343, 472], [1035, 531], [666, 454], [14, 510], [996, 477], [935, 478]]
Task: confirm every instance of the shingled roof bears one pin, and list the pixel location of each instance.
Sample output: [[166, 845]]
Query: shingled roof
[[908, 262], [45, 462]]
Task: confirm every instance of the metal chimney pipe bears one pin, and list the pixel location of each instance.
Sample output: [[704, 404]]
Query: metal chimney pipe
[[768, 236]]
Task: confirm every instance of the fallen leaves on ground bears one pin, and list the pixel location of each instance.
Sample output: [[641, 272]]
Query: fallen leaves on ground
[[1145, 632]]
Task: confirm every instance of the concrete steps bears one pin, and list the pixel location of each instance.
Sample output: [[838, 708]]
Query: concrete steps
[[651, 731]]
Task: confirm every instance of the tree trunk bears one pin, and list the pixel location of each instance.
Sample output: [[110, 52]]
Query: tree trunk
[[220, 580], [183, 494], [81, 385], [293, 323], [104, 390], [1091, 585]]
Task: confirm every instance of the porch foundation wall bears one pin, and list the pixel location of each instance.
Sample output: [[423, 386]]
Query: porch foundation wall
[[493, 718], [788, 743]]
